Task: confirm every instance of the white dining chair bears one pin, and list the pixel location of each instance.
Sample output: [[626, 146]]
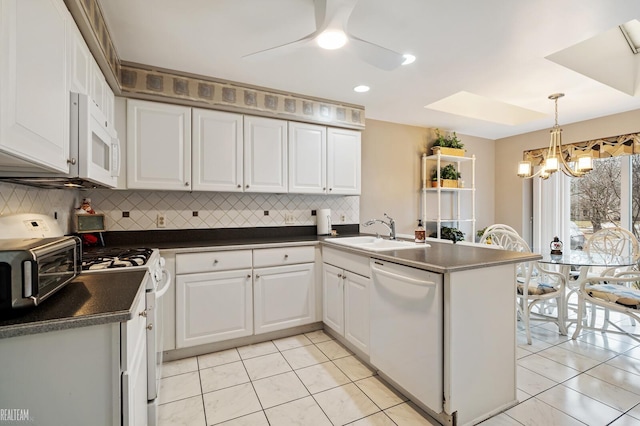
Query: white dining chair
[[612, 293], [605, 242], [534, 284]]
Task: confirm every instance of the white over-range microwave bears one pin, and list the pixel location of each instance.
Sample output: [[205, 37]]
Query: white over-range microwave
[[94, 151]]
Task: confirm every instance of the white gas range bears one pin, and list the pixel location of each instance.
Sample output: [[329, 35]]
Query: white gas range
[[110, 259]]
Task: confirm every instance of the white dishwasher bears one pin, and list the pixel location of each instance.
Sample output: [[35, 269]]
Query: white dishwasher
[[407, 329]]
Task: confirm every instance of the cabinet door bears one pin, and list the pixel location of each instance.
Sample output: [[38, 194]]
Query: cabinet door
[[98, 86], [78, 60], [217, 151], [158, 146], [265, 155], [333, 298], [356, 310], [133, 346], [34, 100], [343, 161], [284, 297], [307, 158], [213, 306]]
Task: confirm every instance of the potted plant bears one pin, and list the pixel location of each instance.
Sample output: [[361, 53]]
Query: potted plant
[[453, 234], [448, 177], [448, 145]]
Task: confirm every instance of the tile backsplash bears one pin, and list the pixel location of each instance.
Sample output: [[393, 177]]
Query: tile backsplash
[[26, 199], [197, 210]]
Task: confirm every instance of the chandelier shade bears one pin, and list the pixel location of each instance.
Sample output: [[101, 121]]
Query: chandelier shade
[[555, 160]]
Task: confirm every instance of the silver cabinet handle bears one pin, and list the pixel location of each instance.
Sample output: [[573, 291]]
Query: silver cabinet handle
[[248, 275], [186, 184], [71, 161], [142, 314], [344, 277], [339, 275], [239, 186], [257, 276], [150, 327], [330, 189], [286, 256], [215, 262], [246, 186], [324, 189]]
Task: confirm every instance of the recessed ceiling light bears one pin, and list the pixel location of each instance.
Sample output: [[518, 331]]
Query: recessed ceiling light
[[361, 89], [408, 59], [331, 39]]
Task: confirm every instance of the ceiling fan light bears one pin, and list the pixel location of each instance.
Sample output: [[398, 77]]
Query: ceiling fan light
[[408, 59], [331, 39], [361, 89]]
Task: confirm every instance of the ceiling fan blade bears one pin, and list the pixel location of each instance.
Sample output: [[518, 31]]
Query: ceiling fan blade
[[281, 49], [376, 55]]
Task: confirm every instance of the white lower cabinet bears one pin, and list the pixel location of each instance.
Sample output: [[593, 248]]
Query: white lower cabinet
[[284, 297], [356, 310], [346, 297], [213, 306], [80, 376], [333, 298]]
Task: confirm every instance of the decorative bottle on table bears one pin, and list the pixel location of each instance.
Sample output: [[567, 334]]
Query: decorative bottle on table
[[556, 248], [420, 232]]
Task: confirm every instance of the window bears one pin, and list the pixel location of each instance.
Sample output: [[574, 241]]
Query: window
[[574, 208], [596, 199]]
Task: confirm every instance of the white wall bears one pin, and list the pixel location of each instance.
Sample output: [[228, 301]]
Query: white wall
[[512, 192], [391, 174]]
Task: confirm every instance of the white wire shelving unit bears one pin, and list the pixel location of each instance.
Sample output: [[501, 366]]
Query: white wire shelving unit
[[453, 207]]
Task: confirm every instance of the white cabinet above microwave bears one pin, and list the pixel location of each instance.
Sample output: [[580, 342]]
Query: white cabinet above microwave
[[94, 151]]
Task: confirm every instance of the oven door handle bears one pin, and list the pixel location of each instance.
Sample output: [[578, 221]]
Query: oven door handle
[[165, 288]]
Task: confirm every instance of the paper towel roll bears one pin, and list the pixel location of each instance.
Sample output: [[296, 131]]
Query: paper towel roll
[[323, 221]]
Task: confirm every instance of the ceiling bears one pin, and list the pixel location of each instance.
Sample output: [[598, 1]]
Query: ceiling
[[493, 49]]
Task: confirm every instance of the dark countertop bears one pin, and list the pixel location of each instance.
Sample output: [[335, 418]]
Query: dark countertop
[[90, 299]]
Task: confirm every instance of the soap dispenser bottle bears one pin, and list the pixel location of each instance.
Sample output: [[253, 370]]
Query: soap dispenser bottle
[[420, 233]]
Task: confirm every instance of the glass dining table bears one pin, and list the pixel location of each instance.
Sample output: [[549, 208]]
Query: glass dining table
[[575, 266]]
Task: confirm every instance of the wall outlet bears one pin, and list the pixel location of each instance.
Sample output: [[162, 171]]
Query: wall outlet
[[161, 220], [289, 219], [343, 218]]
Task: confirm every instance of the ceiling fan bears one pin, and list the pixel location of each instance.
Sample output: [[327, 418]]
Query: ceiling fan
[[331, 32]]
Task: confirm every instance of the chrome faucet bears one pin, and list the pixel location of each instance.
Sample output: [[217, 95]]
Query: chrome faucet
[[391, 225]]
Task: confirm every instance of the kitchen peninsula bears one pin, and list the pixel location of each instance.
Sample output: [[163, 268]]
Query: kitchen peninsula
[[474, 297]]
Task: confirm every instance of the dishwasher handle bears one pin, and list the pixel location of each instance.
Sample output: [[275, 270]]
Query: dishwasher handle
[[404, 278]]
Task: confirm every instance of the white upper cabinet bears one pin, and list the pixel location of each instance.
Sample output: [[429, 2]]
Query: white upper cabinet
[[78, 61], [343, 161], [158, 146], [34, 100], [307, 158], [217, 151], [265, 155]]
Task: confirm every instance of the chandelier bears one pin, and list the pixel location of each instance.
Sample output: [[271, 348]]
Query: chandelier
[[555, 159]]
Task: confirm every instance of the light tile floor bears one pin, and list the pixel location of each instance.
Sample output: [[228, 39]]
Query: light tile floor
[[311, 379]]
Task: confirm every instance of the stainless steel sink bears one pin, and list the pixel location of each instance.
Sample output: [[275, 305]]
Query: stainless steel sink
[[377, 244]]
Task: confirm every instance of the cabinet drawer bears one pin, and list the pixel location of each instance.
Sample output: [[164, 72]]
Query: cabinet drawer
[[187, 263], [283, 256], [351, 262]]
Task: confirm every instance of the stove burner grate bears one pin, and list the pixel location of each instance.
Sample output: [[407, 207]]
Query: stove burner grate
[[108, 258]]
